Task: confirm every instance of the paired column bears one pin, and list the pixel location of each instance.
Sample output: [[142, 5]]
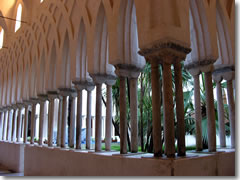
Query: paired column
[[123, 118], [156, 110], [26, 122], [19, 122], [231, 105], [221, 118], [33, 121], [59, 127], [198, 114], [168, 110], [179, 109], [9, 123], [43, 113], [89, 116], [1, 124], [51, 117], [72, 119], [108, 125], [211, 124], [14, 124], [64, 119]]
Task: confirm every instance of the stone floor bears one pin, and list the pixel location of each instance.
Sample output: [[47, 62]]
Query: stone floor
[[5, 172]]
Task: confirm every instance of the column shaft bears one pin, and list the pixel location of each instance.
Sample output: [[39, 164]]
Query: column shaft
[[79, 121], [179, 110], [211, 124], [59, 128], [88, 120], [198, 114], [51, 120], [98, 122], [4, 125], [133, 115], [231, 106], [25, 125], [14, 124], [64, 121], [33, 123], [168, 111], [72, 122], [43, 113], [108, 132], [123, 119], [19, 124], [221, 118], [9, 124], [1, 125]]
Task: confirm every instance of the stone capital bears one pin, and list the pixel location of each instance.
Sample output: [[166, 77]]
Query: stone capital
[[67, 91], [165, 51], [226, 72], [42, 97], [102, 78], [34, 101], [127, 70], [26, 102]]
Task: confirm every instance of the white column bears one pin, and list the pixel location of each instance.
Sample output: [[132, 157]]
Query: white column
[[51, 117], [133, 114], [19, 122], [1, 124], [59, 128], [64, 120], [211, 124], [26, 123], [89, 117], [221, 118], [43, 113], [72, 120], [79, 118], [33, 121], [108, 121], [9, 124], [231, 105], [14, 123]]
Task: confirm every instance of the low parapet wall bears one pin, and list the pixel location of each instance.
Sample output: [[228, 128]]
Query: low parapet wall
[[12, 156], [44, 161]]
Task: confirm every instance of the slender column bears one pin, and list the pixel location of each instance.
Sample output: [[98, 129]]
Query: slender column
[[221, 119], [98, 122], [64, 121], [51, 119], [25, 124], [33, 122], [133, 115], [168, 111], [108, 130], [14, 121], [179, 110], [5, 125], [231, 106], [79, 119], [72, 120], [198, 114], [88, 120], [9, 123], [19, 123], [123, 119], [1, 125], [59, 128], [211, 124], [43, 113], [156, 110]]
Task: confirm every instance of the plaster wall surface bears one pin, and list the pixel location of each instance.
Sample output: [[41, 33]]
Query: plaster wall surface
[[12, 156], [44, 161]]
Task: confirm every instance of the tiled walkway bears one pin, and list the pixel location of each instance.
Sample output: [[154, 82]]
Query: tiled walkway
[[5, 172]]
